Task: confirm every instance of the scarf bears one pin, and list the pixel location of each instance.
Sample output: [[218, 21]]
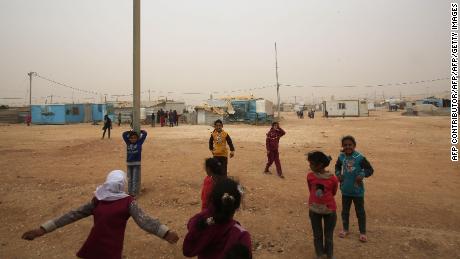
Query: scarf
[[114, 187]]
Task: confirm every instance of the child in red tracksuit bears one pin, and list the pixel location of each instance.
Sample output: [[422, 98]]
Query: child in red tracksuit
[[213, 233], [323, 187], [214, 173], [272, 143]]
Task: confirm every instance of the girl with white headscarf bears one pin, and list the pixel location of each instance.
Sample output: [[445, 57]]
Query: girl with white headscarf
[[111, 208]]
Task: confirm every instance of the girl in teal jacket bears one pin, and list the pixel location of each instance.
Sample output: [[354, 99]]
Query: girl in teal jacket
[[351, 168]]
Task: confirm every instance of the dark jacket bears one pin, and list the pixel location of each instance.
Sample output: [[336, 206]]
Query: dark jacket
[[134, 151]]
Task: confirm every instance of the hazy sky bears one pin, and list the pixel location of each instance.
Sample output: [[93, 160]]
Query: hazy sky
[[215, 46]]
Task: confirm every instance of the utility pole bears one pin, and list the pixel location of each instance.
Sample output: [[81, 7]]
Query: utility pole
[[277, 83], [30, 74], [136, 64], [51, 102], [149, 96]]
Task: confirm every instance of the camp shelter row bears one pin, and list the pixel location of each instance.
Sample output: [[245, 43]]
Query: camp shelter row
[[245, 110], [69, 113]]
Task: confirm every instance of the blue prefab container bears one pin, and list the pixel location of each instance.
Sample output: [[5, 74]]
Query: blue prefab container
[[74, 113], [251, 114], [49, 114], [98, 110]]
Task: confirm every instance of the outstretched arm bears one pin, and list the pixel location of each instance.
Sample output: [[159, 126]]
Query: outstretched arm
[[151, 225], [51, 225], [125, 137], [282, 132]]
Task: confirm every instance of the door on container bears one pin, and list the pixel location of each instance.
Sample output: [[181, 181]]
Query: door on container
[[201, 118]]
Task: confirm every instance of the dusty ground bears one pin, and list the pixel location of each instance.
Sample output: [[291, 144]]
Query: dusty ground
[[411, 201]]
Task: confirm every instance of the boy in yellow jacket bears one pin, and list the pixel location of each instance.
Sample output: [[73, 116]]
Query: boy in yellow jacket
[[218, 145]]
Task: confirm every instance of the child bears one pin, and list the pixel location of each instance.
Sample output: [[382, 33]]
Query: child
[[214, 174], [218, 145], [272, 143], [322, 186], [213, 232], [351, 168], [133, 159], [107, 125], [111, 208], [119, 119]]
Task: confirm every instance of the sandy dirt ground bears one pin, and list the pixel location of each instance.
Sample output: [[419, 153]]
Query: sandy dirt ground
[[411, 200]]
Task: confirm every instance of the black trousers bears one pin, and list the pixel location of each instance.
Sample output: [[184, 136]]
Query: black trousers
[[224, 161], [360, 212], [323, 238], [103, 134]]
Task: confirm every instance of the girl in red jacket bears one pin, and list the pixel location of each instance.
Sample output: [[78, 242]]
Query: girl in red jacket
[[213, 233], [111, 208], [214, 173], [323, 186]]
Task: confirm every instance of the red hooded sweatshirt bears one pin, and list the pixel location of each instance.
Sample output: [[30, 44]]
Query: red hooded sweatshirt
[[323, 188], [273, 138], [206, 191], [214, 241]]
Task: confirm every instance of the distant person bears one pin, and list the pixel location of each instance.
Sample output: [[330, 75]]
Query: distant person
[[213, 233], [133, 159], [119, 119], [351, 168], [326, 114], [172, 118], [28, 119], [107, 126], [162, 118], [111, 208], [176, 118], [167, 118], [213, 174], [218, 145], [312, 114], [272, 144], [158, 117], [322, 186], [153, 119]]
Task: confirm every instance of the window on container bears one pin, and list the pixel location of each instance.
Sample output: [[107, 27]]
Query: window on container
[[341, 106], [75, 111]]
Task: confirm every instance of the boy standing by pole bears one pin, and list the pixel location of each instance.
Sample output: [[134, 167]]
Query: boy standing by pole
[[133, 159], [218, 145]]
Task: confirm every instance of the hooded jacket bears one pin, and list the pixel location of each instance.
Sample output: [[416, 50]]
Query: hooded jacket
[[215, 240]]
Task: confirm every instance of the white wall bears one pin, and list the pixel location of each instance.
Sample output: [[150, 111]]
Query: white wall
[[363, 108], [351, 108], [264, 106], [201, 117]]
